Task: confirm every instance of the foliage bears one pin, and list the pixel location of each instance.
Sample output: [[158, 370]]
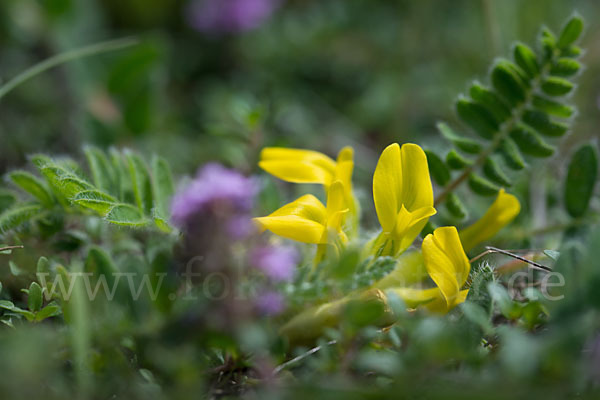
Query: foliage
[[123, 192], [104, 295], [524, 103]]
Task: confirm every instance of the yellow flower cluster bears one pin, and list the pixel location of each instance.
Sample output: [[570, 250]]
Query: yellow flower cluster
[[403, 197]]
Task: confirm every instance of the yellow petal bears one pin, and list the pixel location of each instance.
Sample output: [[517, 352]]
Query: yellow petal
[[297, 165], [504, 209], [416, 183], [336, 200], [409, 225], [344, 167], [293, 227], [387, 186], [307, 207], [446, 261], [401, 179], [303, 220]]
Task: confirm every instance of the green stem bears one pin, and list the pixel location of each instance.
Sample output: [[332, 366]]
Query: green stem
[[70, 55], [502, 133]]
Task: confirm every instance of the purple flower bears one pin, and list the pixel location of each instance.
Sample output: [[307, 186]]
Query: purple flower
[[270, 303], [277, 262], [240, 227], [215, 187], [224, 16]]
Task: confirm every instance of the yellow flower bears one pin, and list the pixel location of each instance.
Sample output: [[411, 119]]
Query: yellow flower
[[307, 166], [443, 259], [504, 209], [307, 220], [403, 197]]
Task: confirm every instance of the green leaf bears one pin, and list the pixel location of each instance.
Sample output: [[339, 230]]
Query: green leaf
[[163, 185], [43, 269], [542, 123], [4, 248], [530, 142], [32, 185], [121, 175], [552, 254], [555, 86], [477, 118], [7, 199], [490, 100], [162, 223], [7, 305], [95, 200], [51, 310], [572, 51], [43, 265], [482, 186], [565, 67], [14, 269], [548, 41], [27, 314], [102, 172], [502, 299], [438, 169], [455, 206], [476, 314], [525, 80], [570, 32], [492, 170], [456, 161], [508, 83], [34, 298], [70, 186], [127, 215], [64, 181], [552, 107], [465, 144], [140, 179], [17, 216], [581, 179], [526, 59]]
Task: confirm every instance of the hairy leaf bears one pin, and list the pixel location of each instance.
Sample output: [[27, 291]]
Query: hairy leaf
[[33, 186], [141, 182], [127, 215], [95, 200], [14, 217]]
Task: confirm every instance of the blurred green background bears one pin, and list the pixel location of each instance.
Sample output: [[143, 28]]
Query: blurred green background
[[315, 74]]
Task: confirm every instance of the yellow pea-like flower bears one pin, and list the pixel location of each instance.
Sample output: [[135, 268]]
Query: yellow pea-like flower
[[308, 166], [403, 197], [443, 259], [504, 209], [307, 220]]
